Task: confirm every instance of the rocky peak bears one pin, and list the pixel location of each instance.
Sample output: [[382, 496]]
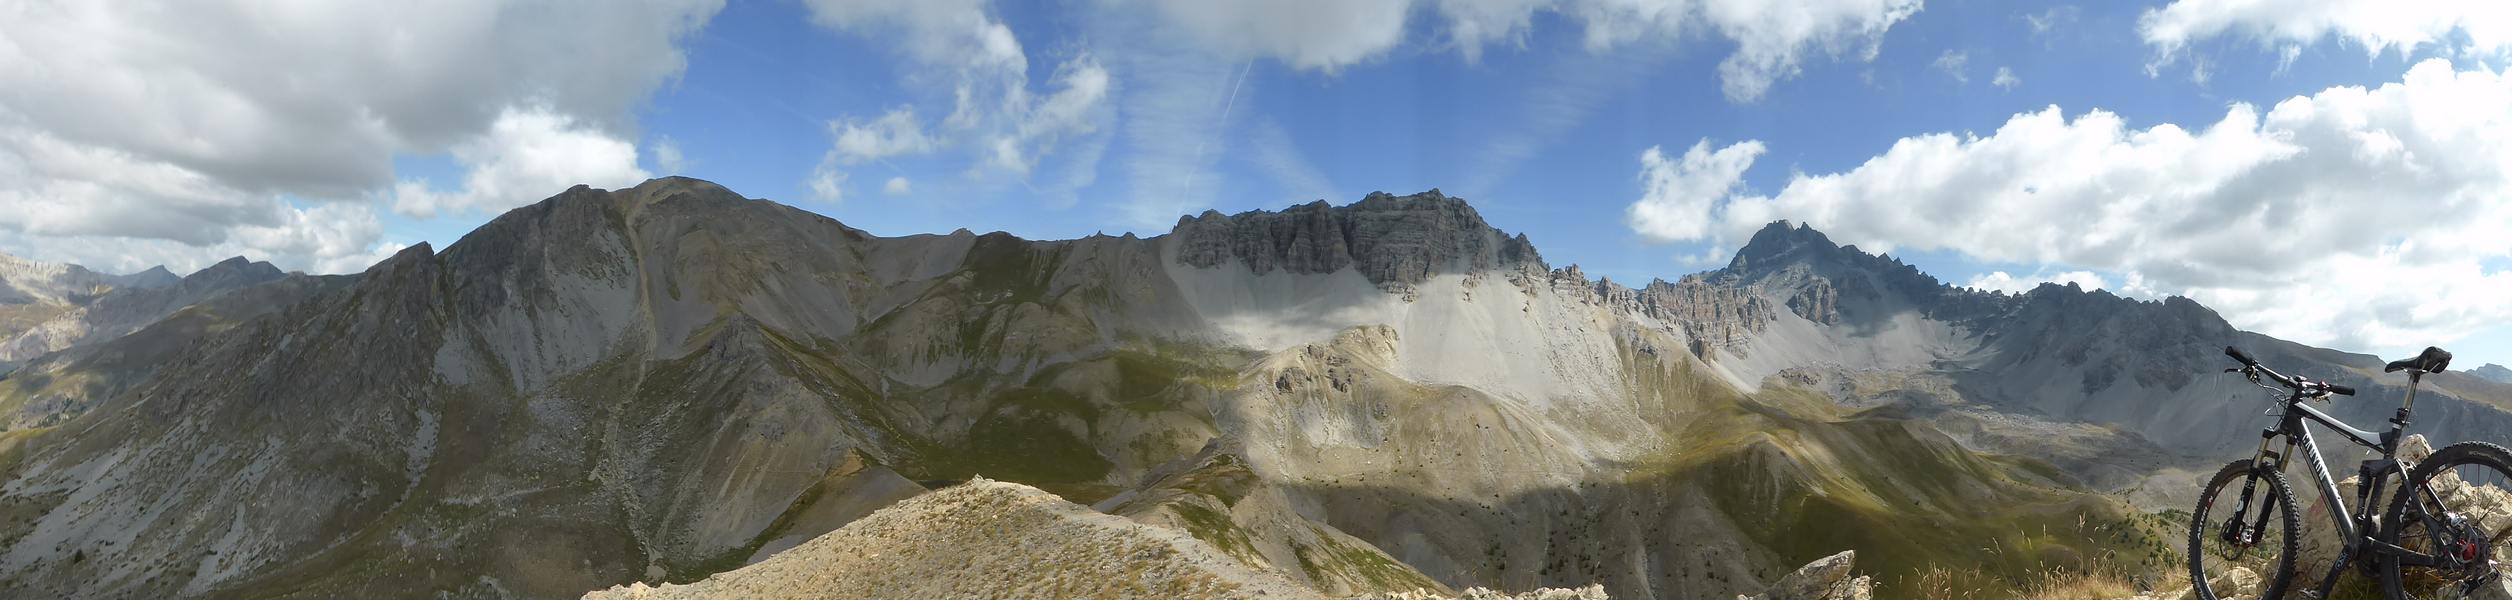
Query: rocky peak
[[22, 280], [2492, 372], [154, 277], [1714, 314], [1821, 281], [1780, 243], [1395, 241], [232, 271]]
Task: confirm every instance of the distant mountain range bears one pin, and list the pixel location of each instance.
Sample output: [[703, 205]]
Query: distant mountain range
[[670, 381], [2492, 372]]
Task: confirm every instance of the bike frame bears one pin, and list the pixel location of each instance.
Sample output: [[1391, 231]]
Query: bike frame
[[2354, 527]]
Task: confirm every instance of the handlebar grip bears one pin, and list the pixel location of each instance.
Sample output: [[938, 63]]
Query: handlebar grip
[[2339, 389], [2239, 355]]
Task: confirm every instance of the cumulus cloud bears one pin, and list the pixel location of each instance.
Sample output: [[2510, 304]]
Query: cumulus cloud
[[1679, 192], [1771, 39], [897, 186], [2377, 26], [527, 155], [2357, 217], [334, 237], [195, 122]]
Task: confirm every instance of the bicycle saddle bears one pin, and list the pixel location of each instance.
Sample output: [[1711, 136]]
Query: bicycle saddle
[[2434, 360]]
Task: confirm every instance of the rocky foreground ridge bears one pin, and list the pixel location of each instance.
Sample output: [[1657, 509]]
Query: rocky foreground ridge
[[991, 539]]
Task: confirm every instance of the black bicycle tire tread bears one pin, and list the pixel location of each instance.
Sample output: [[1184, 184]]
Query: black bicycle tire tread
[[2270, 587], [2392, 524]]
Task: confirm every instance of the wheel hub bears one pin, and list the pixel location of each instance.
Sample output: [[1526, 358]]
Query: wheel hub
[[2464, 547], [2238, 538]]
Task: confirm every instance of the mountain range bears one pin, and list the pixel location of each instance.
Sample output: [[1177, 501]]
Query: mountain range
[[665, 382]]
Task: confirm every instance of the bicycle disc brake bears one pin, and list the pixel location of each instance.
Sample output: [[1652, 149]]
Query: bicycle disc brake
[[2464, 551]]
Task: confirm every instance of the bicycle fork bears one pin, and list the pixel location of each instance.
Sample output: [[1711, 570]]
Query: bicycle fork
[[2237, 533]]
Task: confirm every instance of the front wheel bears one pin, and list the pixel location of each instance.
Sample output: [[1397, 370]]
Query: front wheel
[[2244, 535], [2456, 515]]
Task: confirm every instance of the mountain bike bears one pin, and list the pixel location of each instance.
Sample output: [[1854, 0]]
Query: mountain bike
[[2439, 538]]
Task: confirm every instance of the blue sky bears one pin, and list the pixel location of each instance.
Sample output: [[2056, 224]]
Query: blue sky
[[1541, 118]]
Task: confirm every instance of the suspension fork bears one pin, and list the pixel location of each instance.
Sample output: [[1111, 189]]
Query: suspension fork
[[2263, 459]]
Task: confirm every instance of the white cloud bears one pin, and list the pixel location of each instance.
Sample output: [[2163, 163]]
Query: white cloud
[[2054, 18], [2354, 217], [334, 237], [667, 156], [1953, 64], [1308, 34], [1678, 193], [897, 186], [2000, 281], [527, 155], [897, 132], [1771, 38], [944, 32], [995, 116], [2376, 25], [2006, 79], [190, 121], [1076, 108], [828, 184], [1473, 24]]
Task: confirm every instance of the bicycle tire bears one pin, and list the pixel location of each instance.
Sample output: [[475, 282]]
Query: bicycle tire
[[2289, 523], [2395, 522]]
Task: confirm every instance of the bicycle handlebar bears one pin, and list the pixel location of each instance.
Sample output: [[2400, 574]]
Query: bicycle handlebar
[[2251, 366], [2239, 355]]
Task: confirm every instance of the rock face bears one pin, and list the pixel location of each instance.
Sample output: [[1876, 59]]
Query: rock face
[[654, 384], [33, 292], [1828, 578], [987, 539], [2147, 367], [124, 310], [1394, 241], [57, 386], [24, 280]]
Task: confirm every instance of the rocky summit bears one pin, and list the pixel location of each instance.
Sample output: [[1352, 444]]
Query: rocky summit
[[672, 390]]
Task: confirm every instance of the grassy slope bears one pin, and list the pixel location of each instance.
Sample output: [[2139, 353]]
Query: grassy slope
[[1804, 481]]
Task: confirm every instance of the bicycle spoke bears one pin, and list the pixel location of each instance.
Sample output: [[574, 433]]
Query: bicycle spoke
[[2462, 517], [2240, 542]]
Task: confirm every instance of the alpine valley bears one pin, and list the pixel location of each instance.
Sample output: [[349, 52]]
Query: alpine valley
[[1389, 398]]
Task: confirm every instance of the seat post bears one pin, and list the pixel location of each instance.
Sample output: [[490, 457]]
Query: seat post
[[2398, 423], [2414, 378]]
